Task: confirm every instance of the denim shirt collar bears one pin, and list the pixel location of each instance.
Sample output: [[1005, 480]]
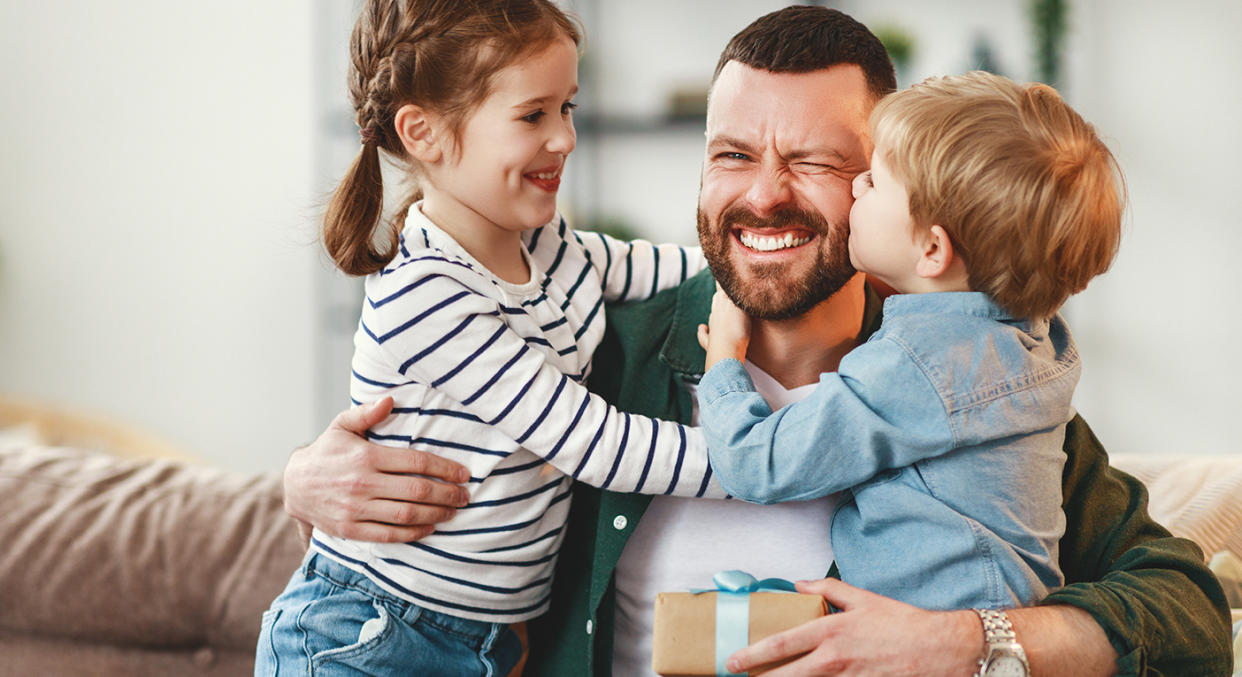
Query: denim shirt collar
[[972, 303], [681, 350]]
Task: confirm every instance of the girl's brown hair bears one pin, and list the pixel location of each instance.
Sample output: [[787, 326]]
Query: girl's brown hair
[[442, 55]]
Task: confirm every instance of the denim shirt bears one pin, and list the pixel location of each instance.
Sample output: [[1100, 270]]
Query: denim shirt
[[946, 429]]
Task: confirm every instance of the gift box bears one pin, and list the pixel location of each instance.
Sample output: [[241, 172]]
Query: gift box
[[696, 631]]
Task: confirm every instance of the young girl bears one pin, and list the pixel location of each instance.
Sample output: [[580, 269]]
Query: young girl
[[480, 319]]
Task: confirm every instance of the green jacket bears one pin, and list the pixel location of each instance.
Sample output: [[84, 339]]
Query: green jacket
[[1161, 608]]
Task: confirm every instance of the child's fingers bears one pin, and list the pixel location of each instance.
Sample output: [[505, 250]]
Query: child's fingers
[[703, 336]]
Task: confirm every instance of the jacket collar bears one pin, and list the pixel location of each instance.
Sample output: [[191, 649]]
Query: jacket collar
[[681, 350]]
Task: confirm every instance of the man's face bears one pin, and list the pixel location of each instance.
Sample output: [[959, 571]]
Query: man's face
[[782, 152]]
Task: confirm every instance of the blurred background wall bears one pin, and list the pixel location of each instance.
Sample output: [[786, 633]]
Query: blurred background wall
[[163, 167]]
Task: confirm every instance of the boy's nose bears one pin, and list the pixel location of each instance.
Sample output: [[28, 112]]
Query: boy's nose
[[859, 184]]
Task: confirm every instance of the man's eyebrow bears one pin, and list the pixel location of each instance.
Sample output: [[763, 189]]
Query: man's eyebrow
[[829, 154], [730, 142]]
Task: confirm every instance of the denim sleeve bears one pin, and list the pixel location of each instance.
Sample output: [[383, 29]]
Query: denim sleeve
[[879, 411]]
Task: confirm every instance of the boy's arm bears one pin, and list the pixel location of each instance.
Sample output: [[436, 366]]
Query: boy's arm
[[879, 411], [638, 269]]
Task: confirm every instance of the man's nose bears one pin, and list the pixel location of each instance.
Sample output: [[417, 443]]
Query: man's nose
[[768, 191]]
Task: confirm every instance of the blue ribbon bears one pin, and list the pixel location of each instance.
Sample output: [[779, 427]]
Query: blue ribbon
[[733, 590]]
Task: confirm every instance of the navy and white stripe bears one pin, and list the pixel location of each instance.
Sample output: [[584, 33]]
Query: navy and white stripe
[[490, 374]]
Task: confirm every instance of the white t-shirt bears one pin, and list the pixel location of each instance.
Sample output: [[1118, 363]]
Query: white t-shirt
[[680, 543]]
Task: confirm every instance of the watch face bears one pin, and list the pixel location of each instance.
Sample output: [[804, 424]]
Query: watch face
[[1006, 666]]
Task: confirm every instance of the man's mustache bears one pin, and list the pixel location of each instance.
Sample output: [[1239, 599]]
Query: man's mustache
[[738, 216]]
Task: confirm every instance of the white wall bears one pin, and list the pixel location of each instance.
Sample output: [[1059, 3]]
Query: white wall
[[155, 257], [1159, 332], [163, 166]]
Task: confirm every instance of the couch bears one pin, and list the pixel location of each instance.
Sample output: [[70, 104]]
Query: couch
[[112, 566]]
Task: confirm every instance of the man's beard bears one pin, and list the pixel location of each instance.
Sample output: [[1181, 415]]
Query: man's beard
[[773, 293]]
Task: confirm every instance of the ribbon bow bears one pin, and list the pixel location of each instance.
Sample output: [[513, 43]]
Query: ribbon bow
[[733, 589]]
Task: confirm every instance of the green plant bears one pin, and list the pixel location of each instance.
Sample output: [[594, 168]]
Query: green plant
[[899, 43], [1048, 21]]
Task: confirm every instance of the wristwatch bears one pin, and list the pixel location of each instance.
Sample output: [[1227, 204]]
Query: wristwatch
[[1002, 655]]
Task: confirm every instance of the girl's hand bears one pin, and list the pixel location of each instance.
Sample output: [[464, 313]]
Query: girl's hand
[[727, 333]]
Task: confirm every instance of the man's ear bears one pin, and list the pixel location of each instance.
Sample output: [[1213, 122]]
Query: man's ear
[[418, 133], [937, 255]]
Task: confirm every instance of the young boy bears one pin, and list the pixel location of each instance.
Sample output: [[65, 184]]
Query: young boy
[[988, 203]]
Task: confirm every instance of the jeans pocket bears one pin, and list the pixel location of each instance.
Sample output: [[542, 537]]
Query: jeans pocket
[[355, 637]]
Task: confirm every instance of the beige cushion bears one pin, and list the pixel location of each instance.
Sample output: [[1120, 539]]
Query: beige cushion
[[1195, 497], [152, 553]]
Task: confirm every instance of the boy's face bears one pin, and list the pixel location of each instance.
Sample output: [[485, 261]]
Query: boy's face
[[882, 240]]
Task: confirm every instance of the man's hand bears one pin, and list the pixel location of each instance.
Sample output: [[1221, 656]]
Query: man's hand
[[871, 635], [352, 488], [727, 333]]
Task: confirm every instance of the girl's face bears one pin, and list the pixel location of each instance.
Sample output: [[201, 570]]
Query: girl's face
[[504, 172], [882, 240]]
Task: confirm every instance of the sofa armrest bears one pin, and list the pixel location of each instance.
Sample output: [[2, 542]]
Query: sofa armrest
[[1195, 496], [149, 553]]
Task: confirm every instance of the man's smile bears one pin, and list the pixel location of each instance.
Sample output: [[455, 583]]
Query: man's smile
[[770, 241]]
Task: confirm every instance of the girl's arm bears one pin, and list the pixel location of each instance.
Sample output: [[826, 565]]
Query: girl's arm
[[455, 340], [840, 435], [637, 270]]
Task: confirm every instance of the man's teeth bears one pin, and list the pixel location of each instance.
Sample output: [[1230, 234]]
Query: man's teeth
[[770, 244]]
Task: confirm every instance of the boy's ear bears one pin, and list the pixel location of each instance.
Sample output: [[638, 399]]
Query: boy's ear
[[418, 133], [937, 255]]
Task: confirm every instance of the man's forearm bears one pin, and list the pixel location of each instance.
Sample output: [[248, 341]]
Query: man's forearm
[[1063, 640]]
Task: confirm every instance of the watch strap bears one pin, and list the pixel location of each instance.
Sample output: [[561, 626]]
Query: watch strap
[[998, 638]]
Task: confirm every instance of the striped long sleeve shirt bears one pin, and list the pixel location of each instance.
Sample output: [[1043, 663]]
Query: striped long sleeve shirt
[[490, 374]]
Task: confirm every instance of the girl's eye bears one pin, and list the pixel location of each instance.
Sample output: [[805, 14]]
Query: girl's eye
[[866, 177], [568, 107], [532, 118]]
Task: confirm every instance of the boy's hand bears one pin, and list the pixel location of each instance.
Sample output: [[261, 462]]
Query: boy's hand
[[727, 333]]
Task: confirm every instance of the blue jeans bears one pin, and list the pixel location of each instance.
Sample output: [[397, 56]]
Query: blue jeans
[[331, 620]]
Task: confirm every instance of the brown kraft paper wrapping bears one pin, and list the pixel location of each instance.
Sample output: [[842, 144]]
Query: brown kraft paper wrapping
[[684, 641]]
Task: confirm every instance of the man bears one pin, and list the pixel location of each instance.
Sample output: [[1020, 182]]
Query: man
[[786, 134]]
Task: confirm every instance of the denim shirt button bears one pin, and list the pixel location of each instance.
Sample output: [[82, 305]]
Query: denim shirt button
[[619, 522]]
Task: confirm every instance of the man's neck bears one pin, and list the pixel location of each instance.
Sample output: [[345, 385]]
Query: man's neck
[[796, 351]]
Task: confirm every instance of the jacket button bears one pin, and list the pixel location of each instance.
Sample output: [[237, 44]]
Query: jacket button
[[590, 626], [619, 522]]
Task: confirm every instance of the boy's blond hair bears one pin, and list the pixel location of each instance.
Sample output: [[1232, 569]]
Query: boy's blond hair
[[1030, 196]]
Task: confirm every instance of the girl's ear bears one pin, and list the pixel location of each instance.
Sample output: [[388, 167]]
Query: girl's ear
[[418, 133], [937, 256]]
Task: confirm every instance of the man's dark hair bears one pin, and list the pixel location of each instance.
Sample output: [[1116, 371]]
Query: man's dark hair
[[805, 38]]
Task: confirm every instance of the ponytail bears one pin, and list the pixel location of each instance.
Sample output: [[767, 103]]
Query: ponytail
[[353, 215]]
